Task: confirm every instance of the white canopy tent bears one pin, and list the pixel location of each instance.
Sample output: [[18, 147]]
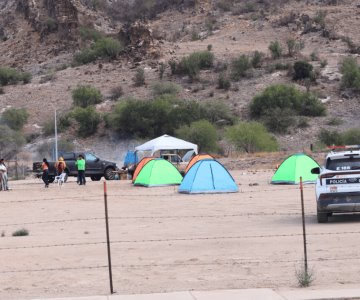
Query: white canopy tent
[[166, 142]]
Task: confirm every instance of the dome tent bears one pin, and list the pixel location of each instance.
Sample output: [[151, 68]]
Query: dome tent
[[208, 176], [197, 158], [158, 172], [293, 167], [140, 165]]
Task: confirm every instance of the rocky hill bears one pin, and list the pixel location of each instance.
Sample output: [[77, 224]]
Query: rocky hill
[[41, 37]]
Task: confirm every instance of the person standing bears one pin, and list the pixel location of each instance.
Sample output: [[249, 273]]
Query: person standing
[[81, 166], [60, 166], [3, 176], [45, 170]]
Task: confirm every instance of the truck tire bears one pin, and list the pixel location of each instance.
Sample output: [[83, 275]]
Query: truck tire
[[95, 177], [108, 173], [322, 217]]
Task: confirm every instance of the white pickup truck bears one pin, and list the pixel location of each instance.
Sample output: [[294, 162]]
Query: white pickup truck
[[338, 184]]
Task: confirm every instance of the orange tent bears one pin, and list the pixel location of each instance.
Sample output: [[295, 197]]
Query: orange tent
[[142, 163], [197, 158]]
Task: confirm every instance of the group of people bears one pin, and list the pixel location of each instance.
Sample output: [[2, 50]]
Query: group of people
[[3, 176], [60, 167]]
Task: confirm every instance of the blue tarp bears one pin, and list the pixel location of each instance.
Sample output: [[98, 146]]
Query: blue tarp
[[130, 159], [208, 176]]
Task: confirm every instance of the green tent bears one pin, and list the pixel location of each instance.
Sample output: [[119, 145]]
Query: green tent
[[293, 167], [158, 172]]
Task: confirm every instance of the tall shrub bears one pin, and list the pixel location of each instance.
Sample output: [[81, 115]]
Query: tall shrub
[[85, 95], [15, 118], [251, 137]]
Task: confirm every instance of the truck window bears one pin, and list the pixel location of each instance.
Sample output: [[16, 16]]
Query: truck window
[[90, 157], [68, 156], [343, 164]]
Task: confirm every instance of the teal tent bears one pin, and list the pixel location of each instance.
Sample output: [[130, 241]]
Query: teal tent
[[158, 172], [293, 167], [208, 176]]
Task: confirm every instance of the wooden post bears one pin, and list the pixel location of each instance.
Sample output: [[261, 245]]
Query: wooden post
[[108, 239], [303, 225]]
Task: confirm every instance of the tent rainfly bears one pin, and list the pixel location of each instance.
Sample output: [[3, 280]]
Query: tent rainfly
[[208, 176], [293, 167], [166, 142], [195, 159]]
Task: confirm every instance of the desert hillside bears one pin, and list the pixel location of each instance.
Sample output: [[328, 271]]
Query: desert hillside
[[43, 37]]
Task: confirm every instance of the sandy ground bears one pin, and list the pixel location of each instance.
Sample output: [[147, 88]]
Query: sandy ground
[[164, 241]]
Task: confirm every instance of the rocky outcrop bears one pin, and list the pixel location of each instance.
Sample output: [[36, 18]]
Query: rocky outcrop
[[47, 16], [138, 40]]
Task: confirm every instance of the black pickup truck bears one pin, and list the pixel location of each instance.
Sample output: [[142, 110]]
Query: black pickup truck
[[95, 167]]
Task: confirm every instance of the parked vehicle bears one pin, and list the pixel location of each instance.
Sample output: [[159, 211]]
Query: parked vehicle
[[338, 184], [95, 167]]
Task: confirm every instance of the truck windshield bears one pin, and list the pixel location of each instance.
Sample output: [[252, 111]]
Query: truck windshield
[[343, 164], [90, 157]]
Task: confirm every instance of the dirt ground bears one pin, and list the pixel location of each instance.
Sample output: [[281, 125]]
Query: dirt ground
[[165, 241]]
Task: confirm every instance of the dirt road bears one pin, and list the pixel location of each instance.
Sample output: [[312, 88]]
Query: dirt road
[[165, 241]]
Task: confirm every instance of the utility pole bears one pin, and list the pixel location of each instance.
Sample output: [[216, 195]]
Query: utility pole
[[56, 139]]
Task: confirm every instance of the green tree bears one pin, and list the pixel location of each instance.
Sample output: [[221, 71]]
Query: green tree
[[88, 120], [85, 95], [15, 118], [202, 133], [251, 137]]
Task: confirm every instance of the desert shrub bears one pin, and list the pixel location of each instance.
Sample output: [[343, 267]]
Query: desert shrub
[[161, 70], [51, 24], [85, 95], [202, 133], [303, 122], [225, 5], [256, 59], [330, 138], [286, 96], [63, 122], [12, 76], [275, 49], [116, 92], [108, 47], [87, 33], [279, 120], [15, 118], [334, 121], [21, 232], [314, 56], [161, 88], [294, 46], [10, 141], [302, 70], [223, 82], [351, 74], [319, 18], [85, 56], [351, 136], [88, 120], [251, 137], [217, 112], [239, 67], [139, 78], [192, 64], [323, 63], [103, 47]]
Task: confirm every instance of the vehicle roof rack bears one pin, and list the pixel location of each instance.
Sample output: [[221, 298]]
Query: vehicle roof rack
[[344, 147]]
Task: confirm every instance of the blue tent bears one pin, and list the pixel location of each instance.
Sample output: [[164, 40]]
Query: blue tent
[[131, 158], [208, 176]]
